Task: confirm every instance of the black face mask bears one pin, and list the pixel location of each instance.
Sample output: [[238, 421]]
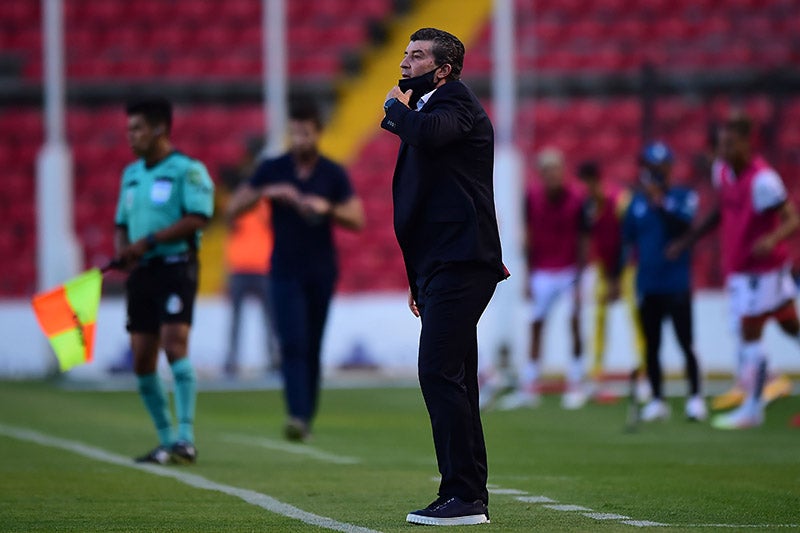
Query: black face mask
[[419, 85]]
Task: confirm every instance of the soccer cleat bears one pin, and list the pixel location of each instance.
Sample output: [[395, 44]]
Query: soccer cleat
[[655, 410], [519, 400], [696, 409], [777, 387], [297, 430], [575, 397], [450, 512], [742, 418], [159, 455], [183, 452], [729, 399]]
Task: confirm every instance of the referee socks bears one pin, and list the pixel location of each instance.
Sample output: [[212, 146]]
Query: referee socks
[[185, 398], [155, 400]]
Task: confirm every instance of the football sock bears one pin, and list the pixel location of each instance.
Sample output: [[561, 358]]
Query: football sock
[[155, 400], [185, 397], [576, 371], [740, 363], [530, 376], [755, 372]]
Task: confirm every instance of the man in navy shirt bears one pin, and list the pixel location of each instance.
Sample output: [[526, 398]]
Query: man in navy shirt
[[309, 194], [656, 215]]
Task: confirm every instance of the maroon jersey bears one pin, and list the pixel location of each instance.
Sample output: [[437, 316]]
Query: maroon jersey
[[554, 223]]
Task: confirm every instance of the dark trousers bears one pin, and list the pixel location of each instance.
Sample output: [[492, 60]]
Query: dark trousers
[[300, 309], [653, 309], [241, 285], [450, 306]]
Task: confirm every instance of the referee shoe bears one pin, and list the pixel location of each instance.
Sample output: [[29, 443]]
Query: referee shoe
[[159, 455], [450, 512], [183, 452]]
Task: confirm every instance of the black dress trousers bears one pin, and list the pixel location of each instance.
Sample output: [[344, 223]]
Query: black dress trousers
[[451, 303]]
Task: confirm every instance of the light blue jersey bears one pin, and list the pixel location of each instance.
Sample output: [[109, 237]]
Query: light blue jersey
[[154, 198]]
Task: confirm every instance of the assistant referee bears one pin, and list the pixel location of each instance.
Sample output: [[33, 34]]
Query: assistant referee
[[165, 199]]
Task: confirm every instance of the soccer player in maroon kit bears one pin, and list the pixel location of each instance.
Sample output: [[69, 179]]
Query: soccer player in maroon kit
[[556, 256], [756, 216]]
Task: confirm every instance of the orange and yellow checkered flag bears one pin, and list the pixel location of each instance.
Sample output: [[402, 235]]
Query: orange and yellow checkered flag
[[67, 315]]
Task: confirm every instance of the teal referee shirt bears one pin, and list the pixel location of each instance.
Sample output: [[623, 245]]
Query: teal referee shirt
[[153, 198]]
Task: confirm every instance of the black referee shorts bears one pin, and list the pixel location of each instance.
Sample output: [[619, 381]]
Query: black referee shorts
[[160, 293]]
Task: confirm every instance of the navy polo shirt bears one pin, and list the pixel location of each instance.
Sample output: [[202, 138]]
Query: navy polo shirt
[[303, 245]]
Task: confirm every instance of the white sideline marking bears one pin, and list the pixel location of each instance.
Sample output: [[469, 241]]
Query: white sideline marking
[[535, 499], [741, 526], [193, 480], [297, 449], [606, 516], [567, 507], [512, 492], [495, 489]]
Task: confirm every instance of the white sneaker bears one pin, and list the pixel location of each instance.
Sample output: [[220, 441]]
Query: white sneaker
[[655, 410], [519, 400], [696, 409], [575, 397], [743, 417]]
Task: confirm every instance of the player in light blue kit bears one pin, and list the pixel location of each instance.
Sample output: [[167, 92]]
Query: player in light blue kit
[[165, 199]]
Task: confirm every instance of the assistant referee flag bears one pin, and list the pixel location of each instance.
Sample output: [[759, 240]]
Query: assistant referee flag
[[67, 315]]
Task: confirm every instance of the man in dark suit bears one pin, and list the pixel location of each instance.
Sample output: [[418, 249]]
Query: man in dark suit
[[445, 223]]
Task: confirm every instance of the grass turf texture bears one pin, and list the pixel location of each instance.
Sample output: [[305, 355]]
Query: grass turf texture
[[676, 472]]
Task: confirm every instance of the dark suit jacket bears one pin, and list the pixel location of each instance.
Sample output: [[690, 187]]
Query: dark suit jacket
[[443, 184]]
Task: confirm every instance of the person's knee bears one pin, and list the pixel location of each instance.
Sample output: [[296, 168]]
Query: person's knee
[[752, 327], [175, 349], [143, 366], [435, 373], [175, 341], [145, 353], [293, 347]]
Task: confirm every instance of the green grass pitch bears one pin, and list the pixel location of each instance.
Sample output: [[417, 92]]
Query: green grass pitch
[[371, 461]]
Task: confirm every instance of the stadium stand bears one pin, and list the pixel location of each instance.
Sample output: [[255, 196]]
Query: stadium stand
[[111, 42], [621, 35], [173, 40]]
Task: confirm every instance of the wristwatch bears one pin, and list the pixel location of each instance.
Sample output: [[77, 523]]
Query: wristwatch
[[389, 103], [151, 241]]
